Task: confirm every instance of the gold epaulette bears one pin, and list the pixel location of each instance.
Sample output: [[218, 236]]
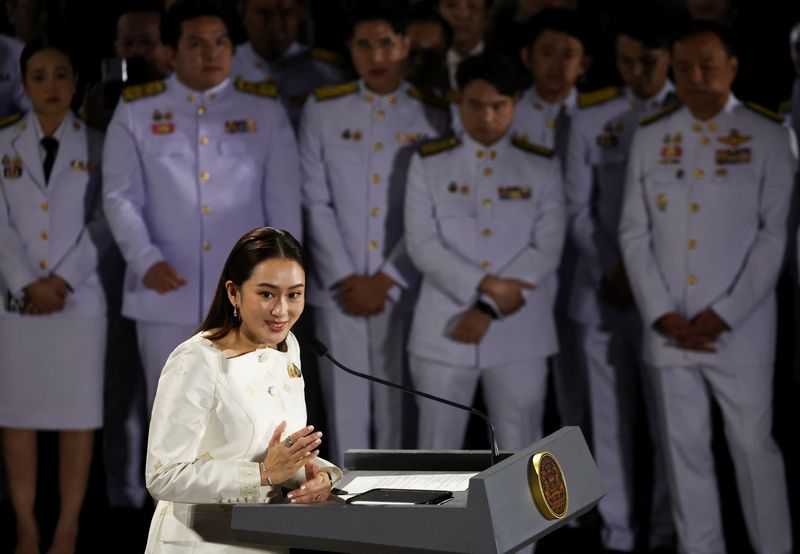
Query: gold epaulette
[[326, 56], [428, 99], [528, 146], [267, 90], [761, 110], [10, 120], [663, 112], [136, 92], [335, 91], [439, 146], [597, 97]]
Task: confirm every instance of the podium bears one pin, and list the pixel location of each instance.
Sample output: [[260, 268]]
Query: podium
[[497, 514]]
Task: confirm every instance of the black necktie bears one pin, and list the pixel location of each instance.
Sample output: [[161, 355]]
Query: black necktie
[[50, 147], [561, 136]]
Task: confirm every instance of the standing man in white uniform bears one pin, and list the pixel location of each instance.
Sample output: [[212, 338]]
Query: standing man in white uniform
[[601, 301], [355, 143], [703, 237], [557, 57], [273, 54], [190, 164], [484, 223]]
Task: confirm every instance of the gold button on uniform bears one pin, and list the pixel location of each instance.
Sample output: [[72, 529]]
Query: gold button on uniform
[[380, 114], [376, 179], [697, 127], [712, 126], [694, 207], [190, 98], [550, 123], [201, 110], [705, 140], [487, 171], [692, 244], [487, 202], [204, 175], [43, 264], [486, 232], [378, 146], [375, 212], [479, 154], [43, 235], [692, 280], [206, 246], [373, 245], [203, 140], [486, 266], [393, 100], [44, 206], [206, 209], [699, 174]]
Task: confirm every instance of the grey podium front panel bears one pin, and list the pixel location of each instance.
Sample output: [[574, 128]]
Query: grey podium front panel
[[495, 515]]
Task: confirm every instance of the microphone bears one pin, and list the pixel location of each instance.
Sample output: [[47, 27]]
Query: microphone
[[318, 348]]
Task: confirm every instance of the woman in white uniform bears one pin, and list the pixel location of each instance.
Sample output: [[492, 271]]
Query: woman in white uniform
[[229, 418], [53, 312]]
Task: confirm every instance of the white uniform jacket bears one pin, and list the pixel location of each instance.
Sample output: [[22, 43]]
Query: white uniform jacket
[[54, 228], [472, 211], [188, 173], [599, 140], [209, 429], [355, 147], [704, 225]]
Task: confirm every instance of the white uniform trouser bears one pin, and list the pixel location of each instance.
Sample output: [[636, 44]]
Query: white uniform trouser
[[355, 408], [514, 395], [613, 359], [156, 343], [744, 395]]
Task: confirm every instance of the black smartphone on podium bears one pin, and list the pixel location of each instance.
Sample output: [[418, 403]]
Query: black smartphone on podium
[[400, 496]]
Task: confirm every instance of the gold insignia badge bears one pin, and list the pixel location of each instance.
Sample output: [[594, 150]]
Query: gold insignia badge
[[519, 192], [80, 164], [734, 138], [408, 138], [732, 156], [548, 486], [465, 190], [12, 168], [293, 371]]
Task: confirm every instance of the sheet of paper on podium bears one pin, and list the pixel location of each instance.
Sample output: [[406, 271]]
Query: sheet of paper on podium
[[432, 481]]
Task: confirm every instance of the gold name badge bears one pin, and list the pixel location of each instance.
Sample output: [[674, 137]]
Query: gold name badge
[[548, 486]]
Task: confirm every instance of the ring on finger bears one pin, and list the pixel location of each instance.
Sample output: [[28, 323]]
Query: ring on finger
[[288, 442]]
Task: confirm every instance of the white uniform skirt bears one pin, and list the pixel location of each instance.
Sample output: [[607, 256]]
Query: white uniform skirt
[[51, 371]]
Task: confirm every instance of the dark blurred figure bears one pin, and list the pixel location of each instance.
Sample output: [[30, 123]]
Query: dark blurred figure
[[794, 46], [26, 17], [273, 53], [430, 37], [469, 20]]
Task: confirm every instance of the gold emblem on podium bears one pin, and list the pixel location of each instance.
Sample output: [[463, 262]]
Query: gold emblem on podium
[[548, 486]]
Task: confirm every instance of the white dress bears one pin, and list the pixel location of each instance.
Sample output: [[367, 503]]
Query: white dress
[[51, 366], [211, 424]]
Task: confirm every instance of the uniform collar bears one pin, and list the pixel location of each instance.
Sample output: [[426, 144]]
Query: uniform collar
[[479, 152], [196, 97], [713, 123], [58, 134], [653, 103], [382, 100], [569, 103]]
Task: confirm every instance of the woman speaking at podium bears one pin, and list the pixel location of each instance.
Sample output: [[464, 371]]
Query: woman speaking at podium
[[229, 420]]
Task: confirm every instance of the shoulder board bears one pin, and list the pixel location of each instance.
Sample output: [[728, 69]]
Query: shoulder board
[[135, 92], [326, 56], [439, 146], [10, 120], [597, 97], [528, 146], [664, 112], [786, 106], [761, 110], [267, 90], [428, 99], [335, 91]]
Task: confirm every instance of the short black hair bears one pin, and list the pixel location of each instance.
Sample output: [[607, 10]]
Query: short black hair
[[560, 20], [394, 13], [184, 10], [701, 26], [426, 12], [649, 24], [492, 67], [49, 41]]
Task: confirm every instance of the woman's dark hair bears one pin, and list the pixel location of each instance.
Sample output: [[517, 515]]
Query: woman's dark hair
[[492, 67], [49, 41], [259, 245], [393, 13]]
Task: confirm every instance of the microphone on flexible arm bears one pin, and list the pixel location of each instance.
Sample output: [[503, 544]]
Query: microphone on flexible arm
[[321, 350]]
